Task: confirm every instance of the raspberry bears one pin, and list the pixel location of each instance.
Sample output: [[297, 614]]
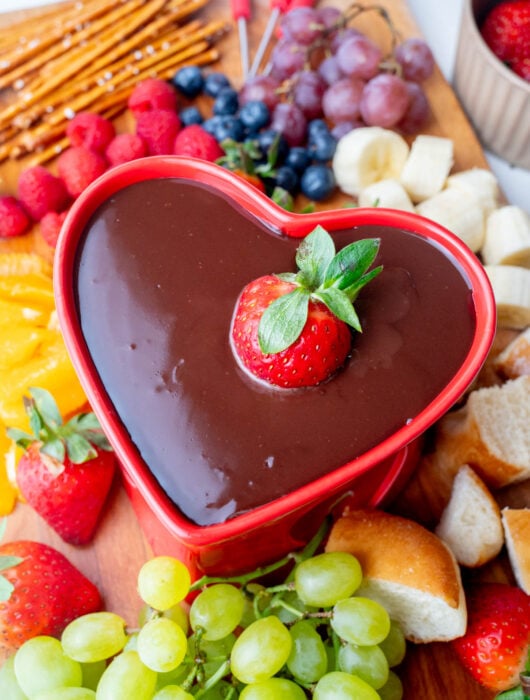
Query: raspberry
[[125, 147], [90, 130], [158, 129], [13, 219], [196, 142], [41, 192], [50, 226], [152, 94], [78, 167]]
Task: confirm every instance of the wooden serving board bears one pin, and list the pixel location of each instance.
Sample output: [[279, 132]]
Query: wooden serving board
[[112, 560]]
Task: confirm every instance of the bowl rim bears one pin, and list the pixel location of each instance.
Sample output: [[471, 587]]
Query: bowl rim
[[293, 224]]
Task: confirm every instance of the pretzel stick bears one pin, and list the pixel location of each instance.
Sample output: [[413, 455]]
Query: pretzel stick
[[64, 92], [127, 26], [44, 37], [44, 62]]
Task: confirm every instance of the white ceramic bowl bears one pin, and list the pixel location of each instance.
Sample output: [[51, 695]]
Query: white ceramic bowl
[[495, 98]]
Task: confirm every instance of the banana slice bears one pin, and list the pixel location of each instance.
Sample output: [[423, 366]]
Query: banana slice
[[511, 288], [480, 181], [428, 165], [366, 155], [507, 239], [387, 193], [459, 211]]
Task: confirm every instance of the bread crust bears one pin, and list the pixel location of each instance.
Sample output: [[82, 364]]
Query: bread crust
[[516, 523]]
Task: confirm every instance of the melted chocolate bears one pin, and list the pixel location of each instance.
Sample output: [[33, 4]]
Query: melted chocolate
[[160, 267]]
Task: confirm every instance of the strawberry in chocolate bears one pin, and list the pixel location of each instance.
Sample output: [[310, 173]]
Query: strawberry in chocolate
[[293, 330], [495, 647], [66, 470]]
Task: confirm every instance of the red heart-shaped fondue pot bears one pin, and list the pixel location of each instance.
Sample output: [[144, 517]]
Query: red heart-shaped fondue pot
[[224, 471]]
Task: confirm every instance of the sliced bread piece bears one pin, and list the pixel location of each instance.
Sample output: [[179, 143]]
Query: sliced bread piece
[[516, 523], [471, 523], [514, 360], [406, 568], [490, 433]]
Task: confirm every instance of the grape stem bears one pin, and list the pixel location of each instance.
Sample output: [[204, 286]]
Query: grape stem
[[261, 571]]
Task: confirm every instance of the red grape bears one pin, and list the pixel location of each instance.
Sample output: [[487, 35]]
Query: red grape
[[341, 101], [288, 119], [417, 112], [263, 88], [302, 25], [416, 59], [384, 100], [359, 57], [287, 58], [329, 70], [308, 89]]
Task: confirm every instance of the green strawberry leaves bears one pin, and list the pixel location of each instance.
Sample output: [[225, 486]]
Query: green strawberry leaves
[[78, 439], [335, 279]]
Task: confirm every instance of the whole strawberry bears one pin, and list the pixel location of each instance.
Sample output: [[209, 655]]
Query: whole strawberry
[[293, 329], [41, 591], [495, 648], [506, 30], [66, 470]]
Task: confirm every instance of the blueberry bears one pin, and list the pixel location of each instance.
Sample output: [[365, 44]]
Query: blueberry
[[228, 127], [190, 115], [316, 126], [255, 115], [214, 83], [226, 102], [189, 81], [265, 140], [287, 178], [317, 182], [211, 125], [322, 146], [298, 159]]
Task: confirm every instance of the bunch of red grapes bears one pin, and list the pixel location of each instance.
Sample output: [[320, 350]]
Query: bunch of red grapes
[[322, 67]]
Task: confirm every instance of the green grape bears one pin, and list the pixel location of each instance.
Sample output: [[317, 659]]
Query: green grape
[[9, 687], [163, 582], [360, 621], [92, 673], [41, 664], [261, 650], [172, 692], [94, 637], [288, 613], [393, 688], [66, 694], [218, 610], [308, 660], [327, 578], [162, 644], [369, 663], [339, 685], [132, 642], [273, 689], [178, 615], [394, 645], [126, 677]]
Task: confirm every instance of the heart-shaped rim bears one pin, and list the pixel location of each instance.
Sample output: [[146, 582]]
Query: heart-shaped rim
[[292, 224]]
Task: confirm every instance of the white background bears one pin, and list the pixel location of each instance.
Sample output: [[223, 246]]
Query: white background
[[438, 22]]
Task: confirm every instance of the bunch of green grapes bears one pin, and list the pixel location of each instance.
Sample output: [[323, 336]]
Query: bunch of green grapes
[[311, 636]]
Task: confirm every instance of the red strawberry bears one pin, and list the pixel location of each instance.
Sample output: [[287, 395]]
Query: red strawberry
[[521, 66], [291, 330], [40, 592], [66, 471], [196, 142], [495, 646], [506, 30]]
